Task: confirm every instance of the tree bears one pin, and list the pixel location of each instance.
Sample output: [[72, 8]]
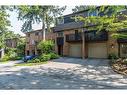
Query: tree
[[46, 46], [110, 18], [81, 8], [38, 14], [4, 24]]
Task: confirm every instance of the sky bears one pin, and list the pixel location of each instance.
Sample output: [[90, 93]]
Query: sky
[[16, 25]]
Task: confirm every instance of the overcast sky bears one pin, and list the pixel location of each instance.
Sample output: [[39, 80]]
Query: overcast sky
[[16, 25]]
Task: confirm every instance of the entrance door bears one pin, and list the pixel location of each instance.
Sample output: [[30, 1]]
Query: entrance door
[[60, 49]]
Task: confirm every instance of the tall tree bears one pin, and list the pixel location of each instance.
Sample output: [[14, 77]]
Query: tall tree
[[110, 18], [4, 24], [81, 8], [38, 14]]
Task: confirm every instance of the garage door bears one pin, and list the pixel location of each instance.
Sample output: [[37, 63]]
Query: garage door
[[75, 50], [97, 50]]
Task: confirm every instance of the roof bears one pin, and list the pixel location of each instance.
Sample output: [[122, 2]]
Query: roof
[[39, 30], [67, 26], [33, 31]]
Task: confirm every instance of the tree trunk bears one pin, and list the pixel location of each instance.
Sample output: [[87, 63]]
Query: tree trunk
[[43, 27]]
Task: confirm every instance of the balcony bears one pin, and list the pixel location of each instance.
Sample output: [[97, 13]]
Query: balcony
[[122, 40], [74, 37], [93, 36], [60, 40]]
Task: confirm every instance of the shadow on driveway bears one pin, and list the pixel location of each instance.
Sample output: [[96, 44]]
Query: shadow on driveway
[[86, 75]]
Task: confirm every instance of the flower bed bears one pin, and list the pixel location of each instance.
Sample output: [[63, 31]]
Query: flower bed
[[120, 66]]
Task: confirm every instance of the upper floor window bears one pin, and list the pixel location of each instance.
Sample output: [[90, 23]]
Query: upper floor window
[[93, 13], [60, 34]]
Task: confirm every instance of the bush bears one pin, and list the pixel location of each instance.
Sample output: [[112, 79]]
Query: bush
[[36, 60], [16, 58], [112, 56], [44, 57], [5, 58], [46, 46], [53, 55]]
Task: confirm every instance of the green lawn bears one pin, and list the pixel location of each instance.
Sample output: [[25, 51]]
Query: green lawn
[[30, 64]]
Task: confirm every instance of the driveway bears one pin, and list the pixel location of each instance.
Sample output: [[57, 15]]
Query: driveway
[[63, 73]]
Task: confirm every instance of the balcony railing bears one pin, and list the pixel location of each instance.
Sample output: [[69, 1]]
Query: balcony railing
[[89, 36], [122, 40], [93, 36], [73, 37]]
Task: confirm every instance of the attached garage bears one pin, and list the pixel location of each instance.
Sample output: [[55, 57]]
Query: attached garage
[[97, 50], [75, 50]]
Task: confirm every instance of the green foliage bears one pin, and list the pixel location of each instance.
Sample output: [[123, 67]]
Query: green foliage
[[44, 57], [30, 64], [5, 58], [81, 8], [38, 14], [21, 47], [46, 46], [54, 56], [35, 60], [110, 21], [112, 56]]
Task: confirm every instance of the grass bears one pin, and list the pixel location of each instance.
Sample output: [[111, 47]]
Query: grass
[[30, 64], [3, 62]]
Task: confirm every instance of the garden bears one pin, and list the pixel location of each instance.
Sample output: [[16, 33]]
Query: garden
[[118, 64], [47, 53]]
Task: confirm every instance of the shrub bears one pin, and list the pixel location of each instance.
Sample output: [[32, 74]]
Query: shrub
[[112, 56], [53, 55], [46, 46], [36, 60], [5, 58], [44, 57]]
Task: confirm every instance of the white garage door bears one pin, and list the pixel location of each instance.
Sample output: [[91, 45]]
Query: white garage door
[[97, 50], [75, 50]]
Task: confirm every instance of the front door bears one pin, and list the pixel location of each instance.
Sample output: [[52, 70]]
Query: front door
[[60, 49]]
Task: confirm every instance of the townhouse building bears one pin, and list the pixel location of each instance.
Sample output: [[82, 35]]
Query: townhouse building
[[33, 38], [73, 39]]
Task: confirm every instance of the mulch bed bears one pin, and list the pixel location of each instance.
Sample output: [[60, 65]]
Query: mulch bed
[[120, 66]]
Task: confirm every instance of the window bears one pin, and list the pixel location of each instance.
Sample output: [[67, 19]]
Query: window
[[36, 34], [93, 13], [60, 34]]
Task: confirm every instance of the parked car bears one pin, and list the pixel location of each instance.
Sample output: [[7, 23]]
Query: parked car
[[26, 58]]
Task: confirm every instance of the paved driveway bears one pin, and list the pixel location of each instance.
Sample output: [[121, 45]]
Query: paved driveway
[[63, 73]]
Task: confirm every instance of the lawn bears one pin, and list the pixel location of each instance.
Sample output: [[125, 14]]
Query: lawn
[[30, 64]]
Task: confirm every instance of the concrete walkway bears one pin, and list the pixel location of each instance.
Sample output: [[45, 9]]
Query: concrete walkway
[[63, 73]]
